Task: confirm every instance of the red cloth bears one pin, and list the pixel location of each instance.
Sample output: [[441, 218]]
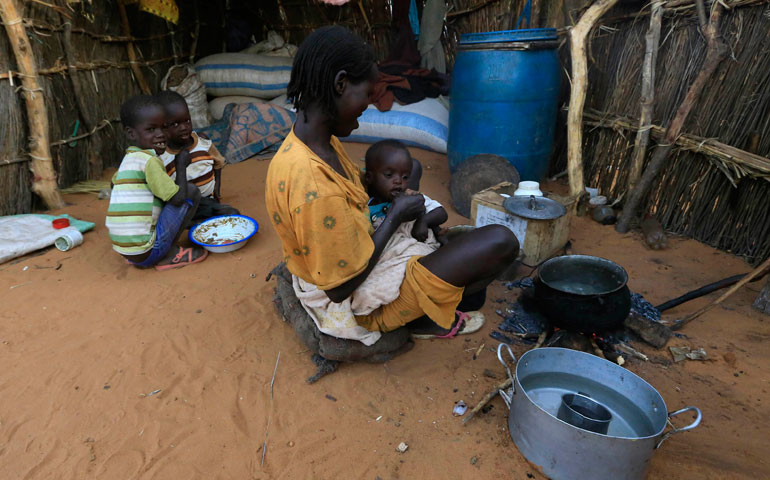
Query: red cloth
[[382, 98]]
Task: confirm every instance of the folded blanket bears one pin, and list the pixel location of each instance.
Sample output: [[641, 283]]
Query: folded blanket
[[249, 128], [381, 287]]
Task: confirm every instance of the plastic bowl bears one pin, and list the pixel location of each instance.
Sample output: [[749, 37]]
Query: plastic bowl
[[224, 233]]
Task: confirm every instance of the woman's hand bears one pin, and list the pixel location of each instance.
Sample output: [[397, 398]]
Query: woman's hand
[[407, 207]]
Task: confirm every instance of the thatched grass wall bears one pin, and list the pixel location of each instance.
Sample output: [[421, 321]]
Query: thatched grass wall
[[696, 195], [371, 19], [104, 72]]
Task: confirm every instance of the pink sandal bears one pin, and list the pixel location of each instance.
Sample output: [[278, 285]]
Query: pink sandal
[[179, 259]]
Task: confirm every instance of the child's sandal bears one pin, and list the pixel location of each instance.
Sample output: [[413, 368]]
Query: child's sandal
[[183, 258]]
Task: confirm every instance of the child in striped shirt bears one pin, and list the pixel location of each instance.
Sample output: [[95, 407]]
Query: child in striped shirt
[[205, 169], [148, 210]]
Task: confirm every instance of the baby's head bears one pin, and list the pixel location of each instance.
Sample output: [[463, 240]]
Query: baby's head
[[178, 123], [143, 118], [388, 167]]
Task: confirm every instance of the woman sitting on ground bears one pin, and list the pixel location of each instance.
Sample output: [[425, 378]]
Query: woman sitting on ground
[[318, 204]]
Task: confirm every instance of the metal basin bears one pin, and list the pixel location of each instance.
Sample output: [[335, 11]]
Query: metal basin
[[563, 451]]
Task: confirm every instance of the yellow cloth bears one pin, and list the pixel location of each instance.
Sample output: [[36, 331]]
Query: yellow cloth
[[421, 293], [320, 216], [165, 9]]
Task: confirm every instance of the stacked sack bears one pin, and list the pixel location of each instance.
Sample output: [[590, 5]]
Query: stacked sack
[[424, 124], [184, 80], [257, 74]]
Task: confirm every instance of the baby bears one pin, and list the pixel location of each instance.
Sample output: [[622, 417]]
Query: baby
[[391, 171]]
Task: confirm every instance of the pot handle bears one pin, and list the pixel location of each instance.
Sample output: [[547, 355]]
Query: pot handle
[[507, 398], [674, 430]]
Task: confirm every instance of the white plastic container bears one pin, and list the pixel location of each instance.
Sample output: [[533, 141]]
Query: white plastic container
[[68, 239], [527, 189]]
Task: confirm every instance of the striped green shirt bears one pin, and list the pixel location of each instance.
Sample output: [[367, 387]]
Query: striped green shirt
[[141, 187]]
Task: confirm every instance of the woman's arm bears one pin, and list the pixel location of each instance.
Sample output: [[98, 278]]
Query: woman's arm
[[405, 208]]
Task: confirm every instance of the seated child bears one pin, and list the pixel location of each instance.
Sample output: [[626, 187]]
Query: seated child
[[391, 171], [147, 209], [205, 169]]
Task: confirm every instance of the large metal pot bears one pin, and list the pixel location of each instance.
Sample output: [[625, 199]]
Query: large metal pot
[[583, 293], [565, 452]]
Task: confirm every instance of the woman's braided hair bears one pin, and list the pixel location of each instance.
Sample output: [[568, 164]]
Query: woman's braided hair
[[325, 52]]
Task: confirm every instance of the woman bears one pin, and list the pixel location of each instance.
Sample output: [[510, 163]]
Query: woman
[[318, 204]]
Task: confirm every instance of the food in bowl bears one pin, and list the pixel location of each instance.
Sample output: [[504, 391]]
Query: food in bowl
[[224, 233]]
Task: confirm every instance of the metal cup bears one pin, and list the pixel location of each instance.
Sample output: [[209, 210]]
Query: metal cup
[[581, 411]]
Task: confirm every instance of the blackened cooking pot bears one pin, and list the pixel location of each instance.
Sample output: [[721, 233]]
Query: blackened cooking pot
[[583, 293]]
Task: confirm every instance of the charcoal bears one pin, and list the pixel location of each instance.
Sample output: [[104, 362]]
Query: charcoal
[[644, 308]]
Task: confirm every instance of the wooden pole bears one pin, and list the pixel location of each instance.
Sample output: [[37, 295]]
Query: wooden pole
[[143, 85], [578, 36], [81, 93], [196, 32], [652, 41], [717, 51], [754, 273], [44, 183]]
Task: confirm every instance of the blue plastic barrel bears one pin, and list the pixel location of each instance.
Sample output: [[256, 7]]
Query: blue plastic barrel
[[505, 89]]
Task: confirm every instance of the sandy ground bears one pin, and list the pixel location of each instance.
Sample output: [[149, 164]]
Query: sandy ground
[[85, 340]]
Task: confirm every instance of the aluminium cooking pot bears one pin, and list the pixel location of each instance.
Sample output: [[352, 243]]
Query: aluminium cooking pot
[[583, 293], [565, 452]]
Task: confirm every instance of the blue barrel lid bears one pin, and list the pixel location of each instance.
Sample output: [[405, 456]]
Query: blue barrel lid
[[523, 35]]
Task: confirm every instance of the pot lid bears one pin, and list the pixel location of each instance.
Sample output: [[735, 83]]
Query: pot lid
[[535, 208]]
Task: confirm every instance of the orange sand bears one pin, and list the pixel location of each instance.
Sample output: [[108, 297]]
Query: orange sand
[[84, 340]]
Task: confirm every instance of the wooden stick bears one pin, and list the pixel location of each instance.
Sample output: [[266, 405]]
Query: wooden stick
[[716, 52], [196, 32], [754, 273], [470, 9], [37, 25], [363, 14], [104, 123], [652, 40], [94, 65], [143, 85], [267, 428], [507, 383], [80, 93], [487, 398], [77, 87], [578, 36], [44, 183], [632, 351], [745, 161]]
